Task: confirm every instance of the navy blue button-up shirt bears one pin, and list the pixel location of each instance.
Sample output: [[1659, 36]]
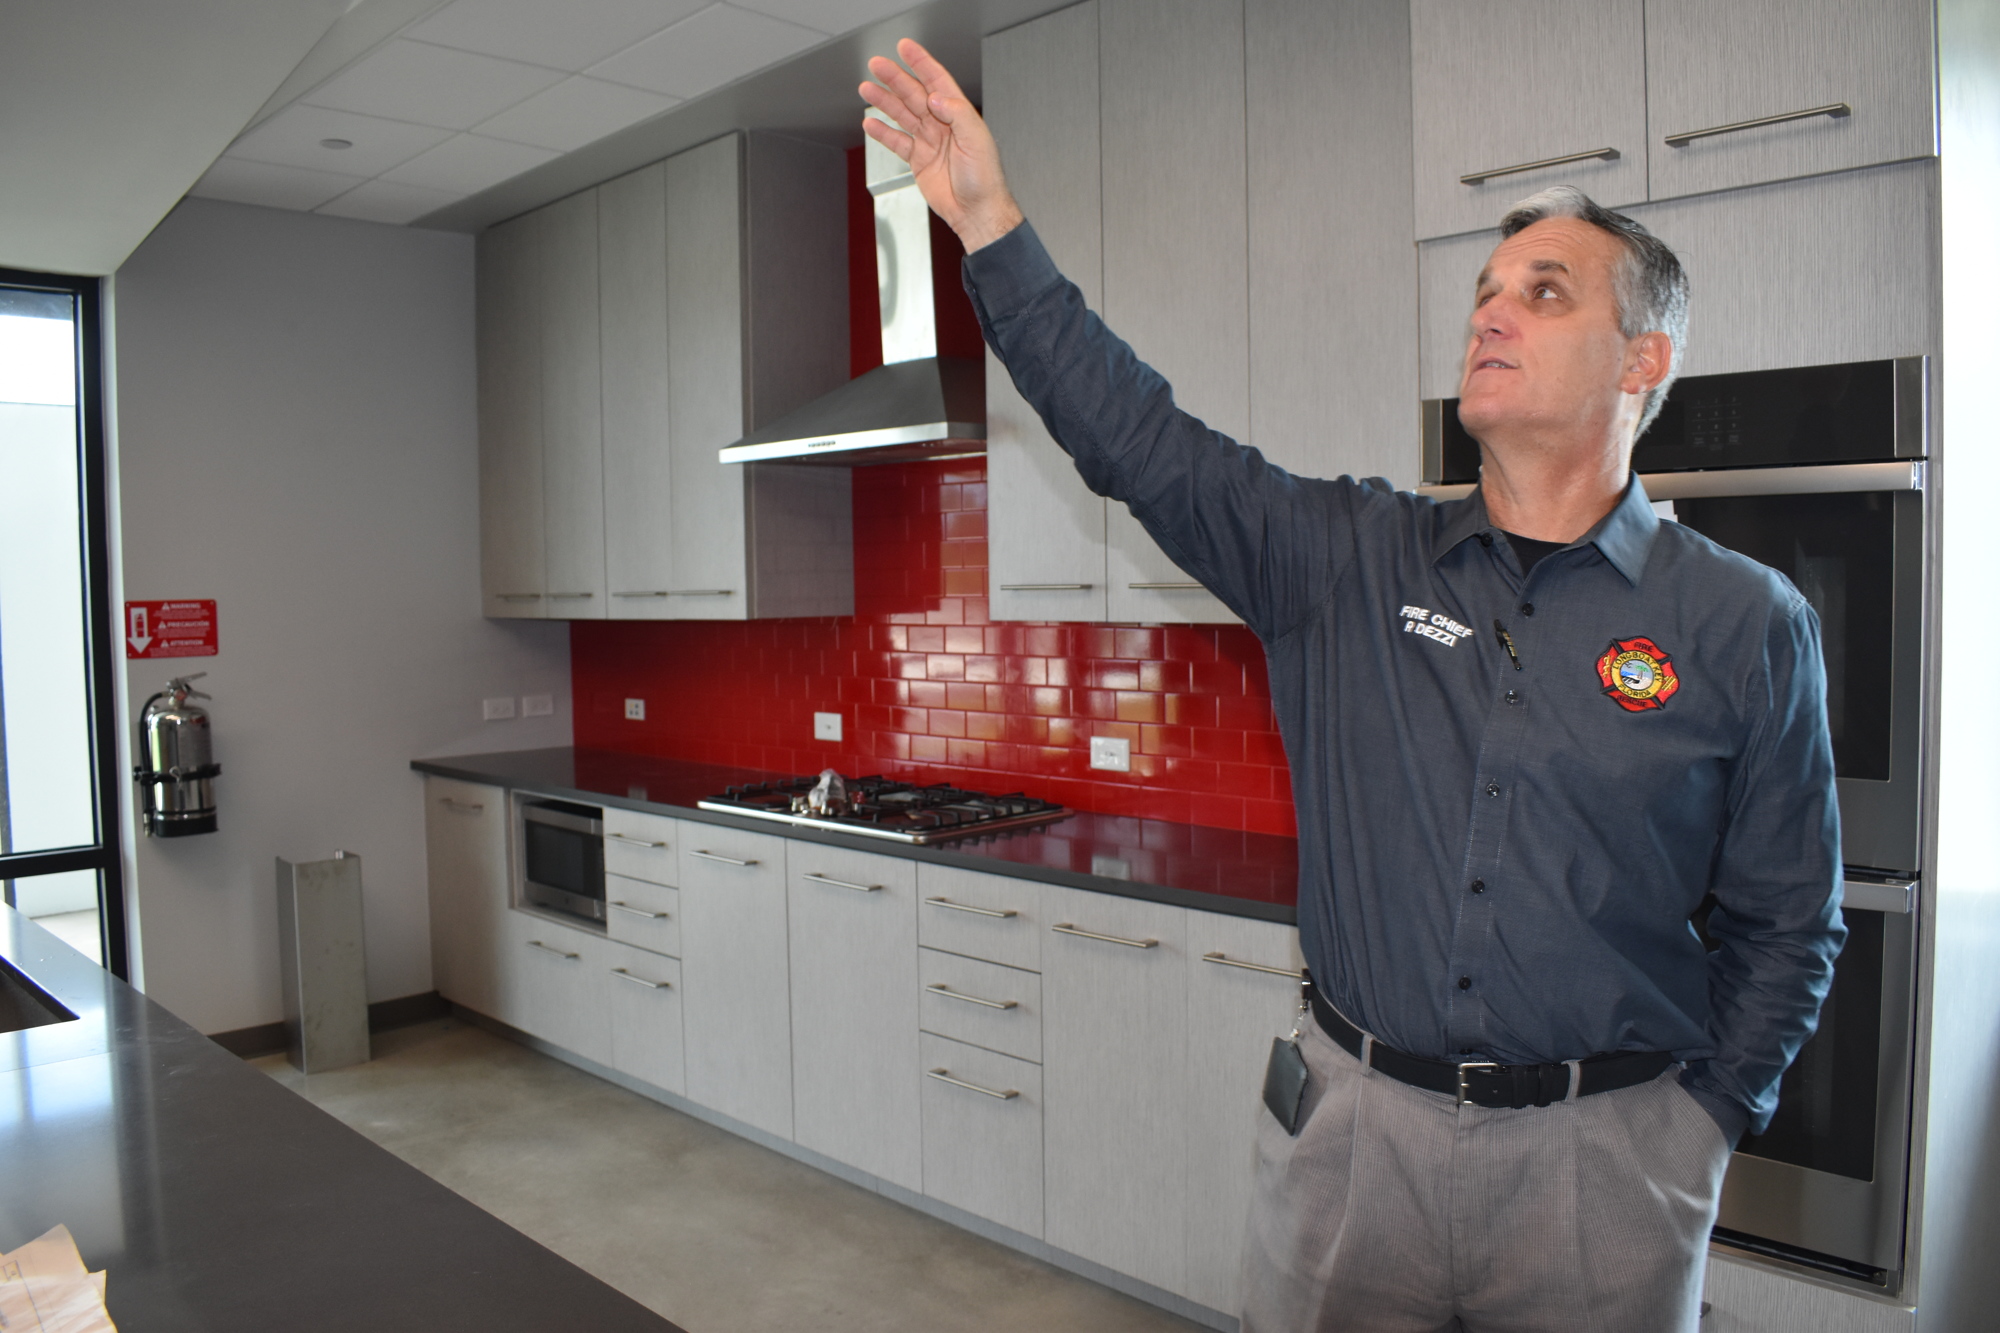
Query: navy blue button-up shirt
[[1512, 792]]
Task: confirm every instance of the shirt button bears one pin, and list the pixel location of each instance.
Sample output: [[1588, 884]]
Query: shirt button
[[1465, 983], [1513, 696], [1479, 886], [1492, 789], [1527, 608], [1485, 539]]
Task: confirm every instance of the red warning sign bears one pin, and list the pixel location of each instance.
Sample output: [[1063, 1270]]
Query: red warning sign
[[170, 629]]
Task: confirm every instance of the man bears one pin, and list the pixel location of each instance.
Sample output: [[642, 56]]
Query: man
[[1530, 731]]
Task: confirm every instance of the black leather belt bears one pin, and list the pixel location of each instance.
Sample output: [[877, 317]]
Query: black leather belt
[[1484, 1082]]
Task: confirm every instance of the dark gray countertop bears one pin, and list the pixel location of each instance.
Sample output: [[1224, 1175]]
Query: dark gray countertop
[[1214, 870], [219, 1201]]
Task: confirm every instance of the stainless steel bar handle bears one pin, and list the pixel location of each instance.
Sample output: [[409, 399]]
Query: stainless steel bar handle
[[1067, 929], [841, 883], [642, 594], [1832, 111], [702, 592], [726, 860], [968, 907], [463, 807], [1590, 155], [1227, 961], [1047, 587], [519, 596], [638, 980], [573, 596], [638, 911], [636, 842], [550, 948], [941, 989], [944, 1076], [1164, 587]]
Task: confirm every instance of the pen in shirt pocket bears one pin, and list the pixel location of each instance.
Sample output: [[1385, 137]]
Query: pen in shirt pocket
[[1507, 642]]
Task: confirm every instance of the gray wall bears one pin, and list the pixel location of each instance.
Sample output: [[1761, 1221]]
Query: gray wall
[[296, 438]]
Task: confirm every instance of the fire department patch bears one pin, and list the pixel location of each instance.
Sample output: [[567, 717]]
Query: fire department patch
[[1637, 674]]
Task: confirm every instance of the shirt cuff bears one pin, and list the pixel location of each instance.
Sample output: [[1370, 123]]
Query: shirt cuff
[[1728, 1115], [1005, 275]]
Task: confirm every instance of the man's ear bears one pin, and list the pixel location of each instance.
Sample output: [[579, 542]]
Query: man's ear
[[1649, 358]]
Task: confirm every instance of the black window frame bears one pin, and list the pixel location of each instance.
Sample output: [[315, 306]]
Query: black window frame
[[101, 656]]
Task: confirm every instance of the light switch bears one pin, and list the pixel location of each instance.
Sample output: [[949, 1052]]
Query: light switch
[[1112, 752], [826, 726], [635, 710], [498, 710], [538, 705]]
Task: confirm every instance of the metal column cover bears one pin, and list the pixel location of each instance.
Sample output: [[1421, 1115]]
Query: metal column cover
[[323, 967]]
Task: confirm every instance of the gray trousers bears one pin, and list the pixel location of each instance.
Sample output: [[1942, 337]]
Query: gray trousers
[[1396, 1209]]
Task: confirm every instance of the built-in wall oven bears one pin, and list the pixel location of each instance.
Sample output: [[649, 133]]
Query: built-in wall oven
[[1820, 473], [560, 846]]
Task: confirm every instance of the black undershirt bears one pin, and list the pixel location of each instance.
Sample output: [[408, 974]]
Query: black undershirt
[[1529, 551]]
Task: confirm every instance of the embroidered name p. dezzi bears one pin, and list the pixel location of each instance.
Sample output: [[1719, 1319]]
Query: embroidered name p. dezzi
[[1433, 625]]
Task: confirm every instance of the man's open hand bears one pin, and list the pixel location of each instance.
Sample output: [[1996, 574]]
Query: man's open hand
[[950, 151]]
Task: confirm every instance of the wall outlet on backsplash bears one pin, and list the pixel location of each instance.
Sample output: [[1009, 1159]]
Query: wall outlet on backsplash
[[497, 710], [635, 710], [1112, 752], [826, 726], [538, 705]]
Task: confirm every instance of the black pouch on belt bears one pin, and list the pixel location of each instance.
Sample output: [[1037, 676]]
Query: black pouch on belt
[[1286, 1075]]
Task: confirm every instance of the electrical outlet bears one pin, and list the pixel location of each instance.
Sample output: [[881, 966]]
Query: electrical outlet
[[826, 726], [538, 705], [498, 710], [1112, 752], [635, 710]]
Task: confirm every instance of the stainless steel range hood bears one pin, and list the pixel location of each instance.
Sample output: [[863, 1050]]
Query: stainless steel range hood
[[916, 404]]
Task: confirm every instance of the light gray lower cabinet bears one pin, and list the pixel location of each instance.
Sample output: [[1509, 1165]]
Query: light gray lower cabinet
[[554, 986], [1045, 528], [641, 846], [995, 917], [854, 1009], [1711, 64], [643, 914], [982, 1003], [982, 1132], [1758, 260], [1485, 102], [736, 1002], [644, 1002], [1114, 1059], [1242, 990], [465, 848]]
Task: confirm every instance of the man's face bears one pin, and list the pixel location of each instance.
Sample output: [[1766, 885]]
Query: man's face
[[1544, 351]]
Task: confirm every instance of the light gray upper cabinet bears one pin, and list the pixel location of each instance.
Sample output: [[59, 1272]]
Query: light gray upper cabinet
[[1542, 80], [465, 847], [854, 1009], [736, 1008], [512, 576], [1712, 64], [1758, 261], [1176, 234], [638, 473], [572, 413], [1242, 991], [1333, 333], [1045, 528], [1114, 1059]]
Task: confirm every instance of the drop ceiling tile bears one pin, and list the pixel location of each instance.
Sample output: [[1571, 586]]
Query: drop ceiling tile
[[468, 163], [571, 35], [292, 138], [270, 185], [829, 16], [431, 85], [388, 201], [714, 47], [573, 113]]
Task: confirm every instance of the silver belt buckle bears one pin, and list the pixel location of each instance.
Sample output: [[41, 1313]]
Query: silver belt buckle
[[1464, 1091]]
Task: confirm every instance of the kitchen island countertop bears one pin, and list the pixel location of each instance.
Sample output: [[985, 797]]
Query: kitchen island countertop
[[217, 1200], [1188, 865]]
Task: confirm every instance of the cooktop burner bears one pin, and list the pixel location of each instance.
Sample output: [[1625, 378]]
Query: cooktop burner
[[880, 807]]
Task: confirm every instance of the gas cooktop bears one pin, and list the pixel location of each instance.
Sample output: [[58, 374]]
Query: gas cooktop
[[879, 807]]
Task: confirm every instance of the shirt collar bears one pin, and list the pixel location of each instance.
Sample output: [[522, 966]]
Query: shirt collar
[[1624, 537]]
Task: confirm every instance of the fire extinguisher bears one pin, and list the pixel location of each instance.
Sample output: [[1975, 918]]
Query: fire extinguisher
[[176, 774]]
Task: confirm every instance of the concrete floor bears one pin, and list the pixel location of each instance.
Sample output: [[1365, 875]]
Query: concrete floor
[[716, 1233]]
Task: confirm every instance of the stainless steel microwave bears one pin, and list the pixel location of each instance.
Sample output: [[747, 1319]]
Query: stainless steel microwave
[[1819, 472], [561, 849]]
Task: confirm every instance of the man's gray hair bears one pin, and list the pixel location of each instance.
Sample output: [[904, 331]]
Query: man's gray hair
[[1650, 286]]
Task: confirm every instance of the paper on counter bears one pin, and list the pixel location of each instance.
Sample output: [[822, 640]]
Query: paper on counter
[[45, 1288]]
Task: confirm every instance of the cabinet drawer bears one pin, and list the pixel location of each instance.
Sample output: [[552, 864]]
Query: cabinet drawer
[[553, 985], [641, 846], [981, 916], [647, 915], [645, 1016], [983, 1143], [985, 1004]]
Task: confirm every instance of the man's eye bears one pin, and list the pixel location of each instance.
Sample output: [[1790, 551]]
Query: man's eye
[[1546, 292]]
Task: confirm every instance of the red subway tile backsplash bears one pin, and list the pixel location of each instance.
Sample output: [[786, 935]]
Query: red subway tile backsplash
[[928, 688]]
